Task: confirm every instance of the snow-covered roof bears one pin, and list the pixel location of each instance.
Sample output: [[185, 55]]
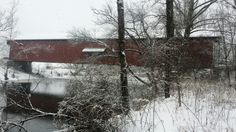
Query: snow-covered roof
[[93, 49]]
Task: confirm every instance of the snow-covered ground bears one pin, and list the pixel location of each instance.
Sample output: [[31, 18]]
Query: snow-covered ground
[[15, 75], [70, 71], [46, 71], [52, 70], [206, 107]]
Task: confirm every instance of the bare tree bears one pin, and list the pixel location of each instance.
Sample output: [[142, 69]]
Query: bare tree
[[8, 21], [169, 34], [225, 27], [122, 56], [189, 14], [7, 25], [119, 21], [231, 3]]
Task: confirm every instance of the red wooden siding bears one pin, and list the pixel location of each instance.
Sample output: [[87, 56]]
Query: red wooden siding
[[200, 51]]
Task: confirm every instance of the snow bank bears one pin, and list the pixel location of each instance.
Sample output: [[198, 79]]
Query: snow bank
[[203, 111]]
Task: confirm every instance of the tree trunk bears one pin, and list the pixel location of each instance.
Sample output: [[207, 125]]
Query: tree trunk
[[169, 34], [189, 21], [169, 19], [122, 57], [234, 64]]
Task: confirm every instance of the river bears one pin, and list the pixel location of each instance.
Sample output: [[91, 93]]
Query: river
[[49, 87]]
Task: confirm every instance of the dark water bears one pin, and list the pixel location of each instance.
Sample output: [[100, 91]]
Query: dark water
[[36, 125], [48, 87]]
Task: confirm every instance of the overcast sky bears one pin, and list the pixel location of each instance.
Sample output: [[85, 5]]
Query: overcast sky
[[54, 18]]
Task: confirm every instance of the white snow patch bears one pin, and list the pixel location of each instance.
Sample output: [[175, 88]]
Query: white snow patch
[[52, 70], [93, 49], [209, 111]]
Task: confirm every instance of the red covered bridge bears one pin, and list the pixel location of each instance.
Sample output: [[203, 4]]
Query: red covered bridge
[[68, 51], [23, 52]]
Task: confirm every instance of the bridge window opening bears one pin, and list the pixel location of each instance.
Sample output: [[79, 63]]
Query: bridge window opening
[[94, 51]]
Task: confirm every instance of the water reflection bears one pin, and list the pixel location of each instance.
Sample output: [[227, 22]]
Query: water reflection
[[35, 125], [49, 86], [44, 95]]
